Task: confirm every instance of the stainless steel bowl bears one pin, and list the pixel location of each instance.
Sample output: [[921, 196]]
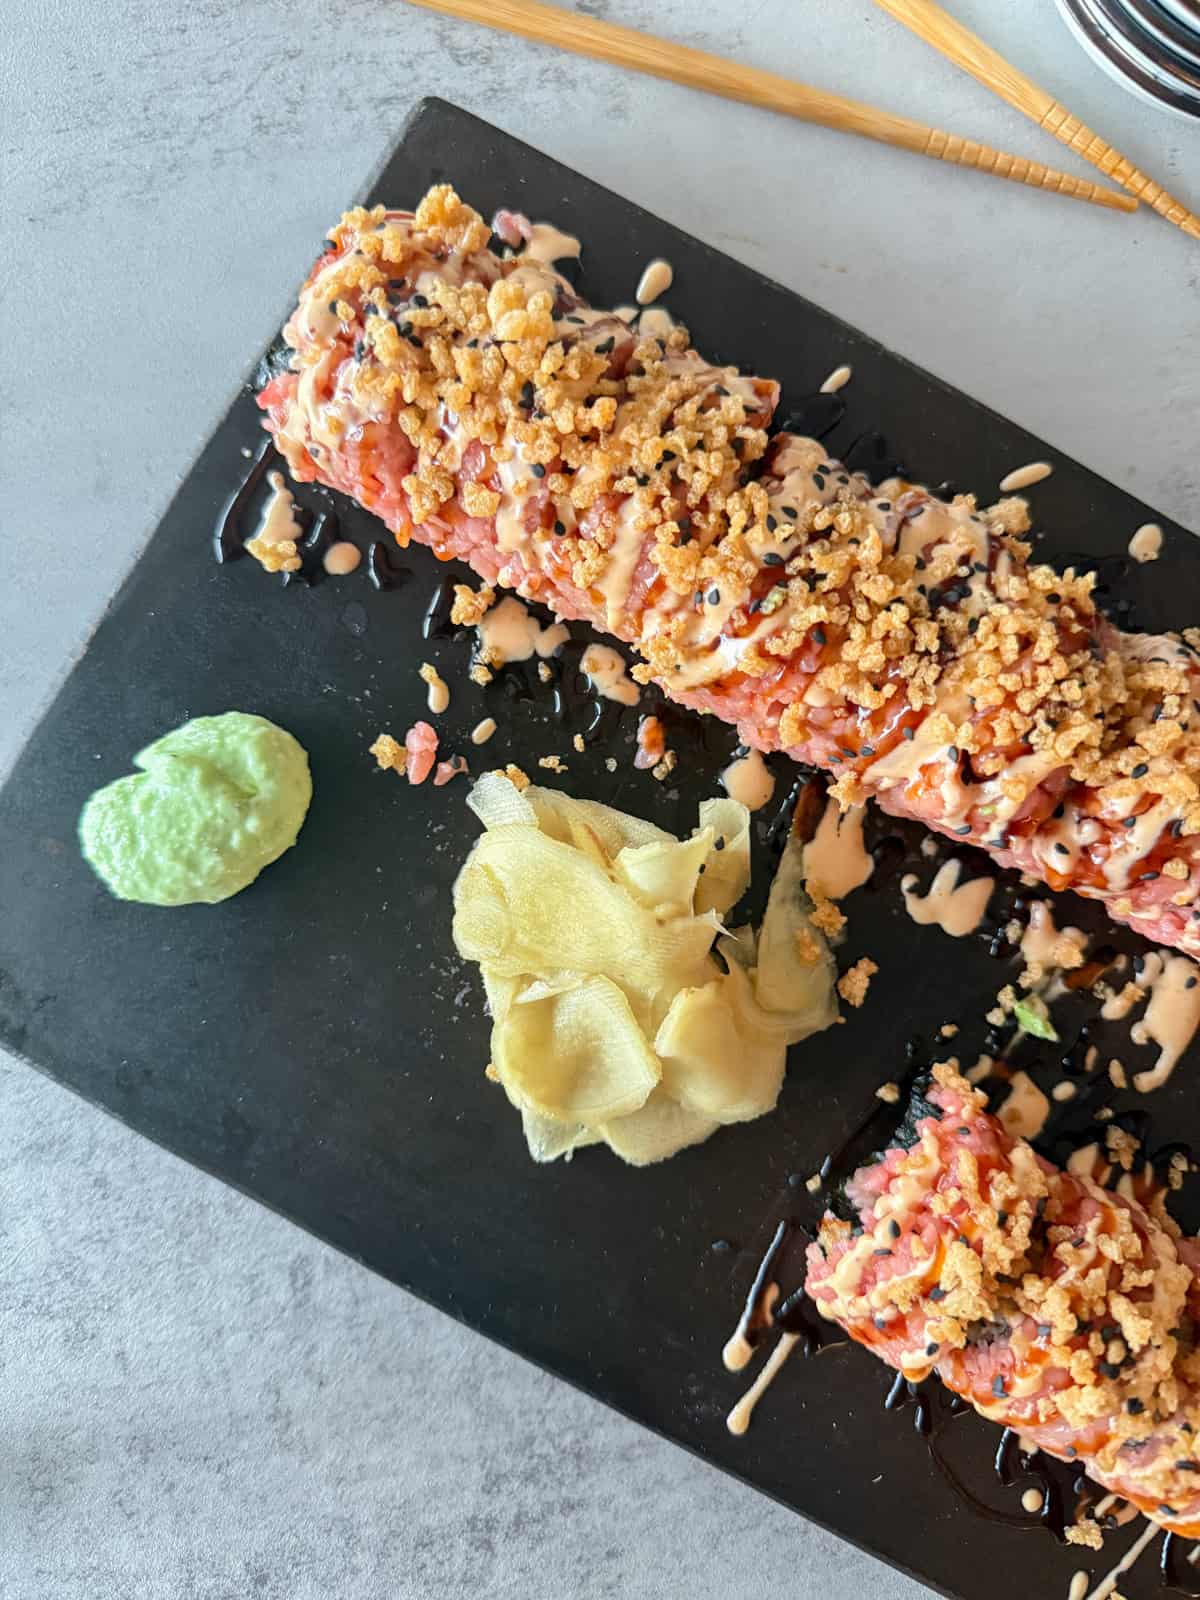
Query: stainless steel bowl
[[1150, 46]]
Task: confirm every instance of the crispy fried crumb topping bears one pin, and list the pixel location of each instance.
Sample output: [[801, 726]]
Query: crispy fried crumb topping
[[515, 775], [1086, 1533], [390, 755], [274, 555], [854, 983], [471, 605], [826, 916]]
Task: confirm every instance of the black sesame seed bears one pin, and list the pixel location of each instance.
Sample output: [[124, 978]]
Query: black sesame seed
[[642, 479], [1140, 770], [606, 348], [560, 527], [952, 752], [884, 505], [998, 1388], [1001, 1218], [932, 1349], [1054, 599], [938, 1293], [908, 733], [1147, 877], [772, 558], [718, 844], [772, 523], [1062, 849], [420, 301], [1129, 822], [527, 395], [790, 511], [685, 524], [881, 1252], [867, 750], [819, 481], [714, 596], [894, 1228], [964, 830], [1190, 983], [538, 469], [578, 321], [817, 635]]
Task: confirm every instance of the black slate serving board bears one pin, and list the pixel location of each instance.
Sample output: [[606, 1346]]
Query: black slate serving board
[[315, 1041]]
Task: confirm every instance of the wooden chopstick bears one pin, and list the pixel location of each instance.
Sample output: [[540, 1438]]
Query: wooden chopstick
[[697, 69], [967, 50]]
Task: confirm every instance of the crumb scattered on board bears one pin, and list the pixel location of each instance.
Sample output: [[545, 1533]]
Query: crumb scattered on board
[[854, 983], [390, 755]]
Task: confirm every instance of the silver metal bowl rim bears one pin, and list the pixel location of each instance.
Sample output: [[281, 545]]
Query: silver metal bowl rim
[[1143, 80], [1159, 26]]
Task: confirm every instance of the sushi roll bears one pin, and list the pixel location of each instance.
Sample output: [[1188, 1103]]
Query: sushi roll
[[1054, 1306], [907, 644]]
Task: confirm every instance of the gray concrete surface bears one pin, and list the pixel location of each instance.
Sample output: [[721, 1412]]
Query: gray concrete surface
[[195, 1399]]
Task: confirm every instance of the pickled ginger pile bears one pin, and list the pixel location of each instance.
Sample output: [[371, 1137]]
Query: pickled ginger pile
[[624, 1010]]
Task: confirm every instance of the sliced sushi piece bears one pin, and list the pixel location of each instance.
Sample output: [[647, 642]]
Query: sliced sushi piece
[[1054, 1306], [905, 643]]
